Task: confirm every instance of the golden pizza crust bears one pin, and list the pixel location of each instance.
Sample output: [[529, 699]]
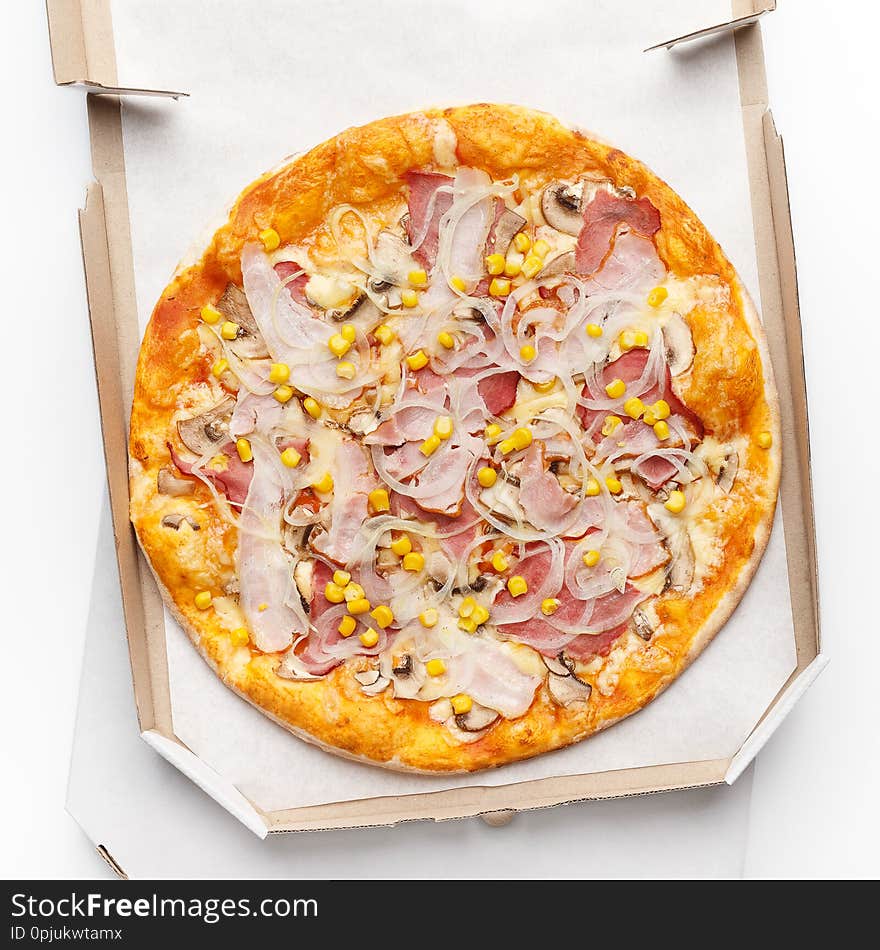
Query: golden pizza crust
[[730, 386]]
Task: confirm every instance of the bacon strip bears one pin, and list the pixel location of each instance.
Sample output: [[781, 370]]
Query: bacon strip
[[602, 217]]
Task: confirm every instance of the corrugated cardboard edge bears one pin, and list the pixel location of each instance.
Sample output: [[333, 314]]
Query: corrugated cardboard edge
[[81, 39], [745, 13], [111, 862], [110, 281]]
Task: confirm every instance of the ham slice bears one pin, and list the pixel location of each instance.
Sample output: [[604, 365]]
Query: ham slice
[[296, 287], [545, 503], [632, 266], [426, 208], [233, 481], [602, 218], [499, 391]]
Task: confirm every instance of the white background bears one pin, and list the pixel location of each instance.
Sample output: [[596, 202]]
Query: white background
[[808, 808]]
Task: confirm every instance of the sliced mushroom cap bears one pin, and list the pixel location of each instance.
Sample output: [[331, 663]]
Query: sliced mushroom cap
[[175, 520], [363, 423], [302, 575], [404, 666], [727, 470], [392, 259], [679, 345], [249, 344], [506, 227], [561, 205], [556, 266], [169, 484], [291, 668], [372, 682], [643, 627], [203, 433], [556, 665], [568, 690], [363, 313], [476, 719], [676, 537]]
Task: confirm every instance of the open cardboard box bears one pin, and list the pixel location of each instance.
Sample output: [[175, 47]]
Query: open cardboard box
[[84, 54]]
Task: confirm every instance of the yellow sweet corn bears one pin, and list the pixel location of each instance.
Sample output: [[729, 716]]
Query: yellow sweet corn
[[522, 242], [492, 432], [312, 407], [591, 558], [210, 314], [342, 578], [414, 561], [765, 439], [611, 424], [506, 446], [443, 427], [468, 624], [338, 345], [675, 502], [661, 409], [527, 353], [500, 562], [359, 606], [499, 286], [487, 476], [512, 267], [661, 430], [270, 239], [290, 457], [446, 340], [430, 445], [531, 265], [634, 407], [540, 248], [480, 614], [594, 330], [466, 607], [325, 485], [279, 373], [369, 638], [657, 296], [435, 667], [384, 334], [549, 606], [262, 607], [616, 388], [348, 332], [418, 278], [334, 593], [383, 616], [517, 585], [546, 387], [239, 637], [593, 488], [640, 338], [649, 417], [401, 545], [283, 394], [346, 370], [461, 704], [409, 298], [457, 283], [229, 330], [219, 368], [428, 618], [379, 501], [495, 264], [417, 360], [627, 340], [243, 447], [347, 625], [522, 438], [203, 599], [353, 591], [613, 485]]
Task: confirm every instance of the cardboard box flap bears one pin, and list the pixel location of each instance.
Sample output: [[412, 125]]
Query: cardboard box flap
[[223, 792], [81, 40], [754, 10]]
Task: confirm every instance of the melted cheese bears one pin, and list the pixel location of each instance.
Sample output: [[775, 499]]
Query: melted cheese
[[445, 144], [330, 292]]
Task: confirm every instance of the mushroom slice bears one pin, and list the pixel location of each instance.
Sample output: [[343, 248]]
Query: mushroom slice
[[679, 344], [363, 422], [404, 667], [557, 266], [249, 344], [372, 682], [727, 470], [363, 313], [506, 227], [568, 690], [291, 668], [476, 719], [441, 711], [169, 484], [175, 520], [302, 575], [561, 205], [556, 665], [202, 434], [392, 259], [682, 563], [642, 625]]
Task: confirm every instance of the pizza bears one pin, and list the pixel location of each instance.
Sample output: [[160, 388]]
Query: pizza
[[456, 443]]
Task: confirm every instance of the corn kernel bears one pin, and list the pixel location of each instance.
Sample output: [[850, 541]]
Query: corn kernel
[[430, 445], [661, 430], [346, 370], [384, 334], [243, 447], [369, 638], [593, 488], [325, 484], [290, 457], [492, 433], [312, 407], [409, 298], [348, 332], [401, 545], [540, 248], [446, 340], [342, 578], [487, 476], [530, 266], [417, 360], [203, 599], [499, 287], [616, 388], [279, 373], [359, 606], [270, 239], [640, 338], [657, 296], [461, 704], [262, 607], [239, 637], [550, 605], [591, 558], [613, 485], [338, 345], [522, 438], [545, 387], [229, 330], [522, 242], [675, 502], [765, 439], [428, 618], [414, 561], [383, 616], [334, 593], [353, 591], [594, 330], [517, 585], [634, 407], [466, 607], [649, 417], [506, 446], [283, 394], [418, 278], [378, 499], [211, 315], [435, 667], [457, 283], [347, 625], [661, 409], [610, 425], [495, 264], [627, 340], [480, 614], [527, 353], [468, 624], [443, 427], [499, 561], [219, 368], [512, 267]]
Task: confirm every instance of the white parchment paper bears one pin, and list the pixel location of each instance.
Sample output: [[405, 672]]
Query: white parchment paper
[[273, 78]]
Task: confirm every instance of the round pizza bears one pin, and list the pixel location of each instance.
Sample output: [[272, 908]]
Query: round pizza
[[457, 442]]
